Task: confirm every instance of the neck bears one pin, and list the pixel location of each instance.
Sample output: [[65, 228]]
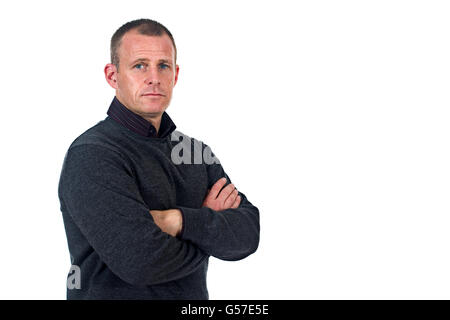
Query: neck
[[154, 120], [154, 117]]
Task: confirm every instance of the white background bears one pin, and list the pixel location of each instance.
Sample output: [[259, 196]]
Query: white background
[[331, 116]]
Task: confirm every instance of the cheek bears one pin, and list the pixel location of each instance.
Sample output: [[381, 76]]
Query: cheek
[[133, 84], [123, 82], [169, 82]]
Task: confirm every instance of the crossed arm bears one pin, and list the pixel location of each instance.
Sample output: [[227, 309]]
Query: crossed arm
[[218, 199], [98, 192]]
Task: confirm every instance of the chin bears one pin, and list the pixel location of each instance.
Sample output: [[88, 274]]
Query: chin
[[153, 108]]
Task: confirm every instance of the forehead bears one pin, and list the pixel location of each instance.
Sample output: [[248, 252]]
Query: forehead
[[135, 45]]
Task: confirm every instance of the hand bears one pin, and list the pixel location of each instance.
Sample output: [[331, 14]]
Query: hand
[[169, 221], [228, 197]]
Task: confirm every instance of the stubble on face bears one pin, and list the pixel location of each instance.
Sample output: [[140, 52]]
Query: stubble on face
[[147, 74]]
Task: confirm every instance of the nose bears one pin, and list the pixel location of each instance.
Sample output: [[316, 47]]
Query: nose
[[153, 81], [152, 78]]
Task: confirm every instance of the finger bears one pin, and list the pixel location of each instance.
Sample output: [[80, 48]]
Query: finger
[[231, 198], [156, 215], [236, 202], [216, 188], [225, 193], [154, 212]]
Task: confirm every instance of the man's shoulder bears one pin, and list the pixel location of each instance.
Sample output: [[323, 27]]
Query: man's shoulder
[[178, 136], [194, 150], [101, 134]]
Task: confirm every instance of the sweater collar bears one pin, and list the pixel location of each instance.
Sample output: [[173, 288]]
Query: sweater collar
[[134, 122]]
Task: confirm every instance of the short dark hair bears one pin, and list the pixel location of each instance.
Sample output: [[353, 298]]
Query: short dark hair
[[142, 26]]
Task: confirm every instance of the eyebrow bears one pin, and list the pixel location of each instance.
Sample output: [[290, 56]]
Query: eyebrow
[[147, 60]]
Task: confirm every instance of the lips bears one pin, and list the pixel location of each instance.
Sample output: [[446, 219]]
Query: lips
[[153, 94]]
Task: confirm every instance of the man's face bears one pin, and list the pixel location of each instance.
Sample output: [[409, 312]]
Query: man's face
[[147, 73]]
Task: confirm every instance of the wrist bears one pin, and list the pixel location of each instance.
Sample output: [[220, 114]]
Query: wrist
[[176, 220]]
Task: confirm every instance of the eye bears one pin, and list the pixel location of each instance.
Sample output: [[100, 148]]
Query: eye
[[139, 66], [164, 66]]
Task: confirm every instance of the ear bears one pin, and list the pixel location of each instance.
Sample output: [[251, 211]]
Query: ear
[[177, 69], [111, 75]]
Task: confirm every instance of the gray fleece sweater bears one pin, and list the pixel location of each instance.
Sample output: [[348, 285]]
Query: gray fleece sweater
[[111, 178]]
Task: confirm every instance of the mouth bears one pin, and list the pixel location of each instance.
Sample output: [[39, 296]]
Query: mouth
[[153, 95]]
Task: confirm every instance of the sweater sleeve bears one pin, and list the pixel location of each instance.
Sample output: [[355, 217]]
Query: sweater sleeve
[[98, 190], [230, 234]]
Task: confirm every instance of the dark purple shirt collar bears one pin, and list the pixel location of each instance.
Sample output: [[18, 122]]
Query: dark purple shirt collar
[[136, 123]]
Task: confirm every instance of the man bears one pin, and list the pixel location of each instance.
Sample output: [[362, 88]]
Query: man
[[142, 216]]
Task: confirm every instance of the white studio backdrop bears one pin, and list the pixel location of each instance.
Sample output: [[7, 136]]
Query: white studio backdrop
[[331, 116]]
